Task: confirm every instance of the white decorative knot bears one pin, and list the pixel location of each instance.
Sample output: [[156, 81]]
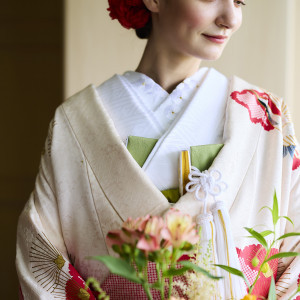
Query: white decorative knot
[[204, 218], [205, 183]]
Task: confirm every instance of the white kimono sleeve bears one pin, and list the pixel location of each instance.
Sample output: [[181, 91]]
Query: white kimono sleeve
[[288, 276], [42, 263], [289, 268]]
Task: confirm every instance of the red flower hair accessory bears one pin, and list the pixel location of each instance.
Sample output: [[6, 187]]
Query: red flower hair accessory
[[130, 13]]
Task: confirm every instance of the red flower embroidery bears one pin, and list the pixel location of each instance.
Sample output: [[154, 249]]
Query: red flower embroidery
[[246, 255], [130, 13], [75, 287], [21, 297], [296, 161], [260, 106]]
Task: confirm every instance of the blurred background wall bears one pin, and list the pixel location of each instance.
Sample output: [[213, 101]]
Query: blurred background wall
[[51, 49], [31, 85]]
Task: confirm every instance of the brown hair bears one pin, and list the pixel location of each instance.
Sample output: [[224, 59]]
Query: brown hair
[[144, 32]]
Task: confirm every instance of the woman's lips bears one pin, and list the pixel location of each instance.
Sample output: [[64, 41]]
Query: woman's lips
[[218, 39]]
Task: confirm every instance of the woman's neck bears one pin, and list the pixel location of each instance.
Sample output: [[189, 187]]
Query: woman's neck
[[165, 68]]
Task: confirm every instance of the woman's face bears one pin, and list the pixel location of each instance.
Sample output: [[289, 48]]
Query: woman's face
[[199, 28]]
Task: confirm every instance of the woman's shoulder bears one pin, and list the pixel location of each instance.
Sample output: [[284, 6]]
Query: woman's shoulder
[[248, 94]]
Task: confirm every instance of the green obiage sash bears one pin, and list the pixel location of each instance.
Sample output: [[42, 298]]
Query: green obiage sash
[[202, 157]]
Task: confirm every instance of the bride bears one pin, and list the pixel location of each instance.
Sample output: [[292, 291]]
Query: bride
[[114, 151]]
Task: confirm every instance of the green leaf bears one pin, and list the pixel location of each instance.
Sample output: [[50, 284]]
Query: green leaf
[[263, 233], [283, 254], [288, 235], [119, 267], [175, 272], [198, 269], [257, 236], [156, 285], [275, 214], [287, 219], [272, 291], [186, 246], [266, 232], [140, 259], [234, 272], [270, 209]]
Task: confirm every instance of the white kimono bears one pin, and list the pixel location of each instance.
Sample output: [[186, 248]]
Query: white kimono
[[88, 184]]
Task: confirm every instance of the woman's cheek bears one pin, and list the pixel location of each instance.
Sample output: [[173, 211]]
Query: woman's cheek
[[196, 19]]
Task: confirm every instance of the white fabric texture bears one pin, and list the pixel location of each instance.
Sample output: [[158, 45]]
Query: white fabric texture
[[133, 113]]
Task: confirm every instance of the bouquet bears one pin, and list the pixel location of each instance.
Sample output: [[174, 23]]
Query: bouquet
[[154, 241], [165, 242]]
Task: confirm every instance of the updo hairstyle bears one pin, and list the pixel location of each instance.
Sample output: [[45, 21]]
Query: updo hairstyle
[[144, 32]]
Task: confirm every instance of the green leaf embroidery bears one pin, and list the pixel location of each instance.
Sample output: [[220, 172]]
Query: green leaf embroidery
[[267, 208], [234, 272], [257, 236], [272, 291], [266, 232], [287, 219], [275, 214], [283, 254], [288, 235]]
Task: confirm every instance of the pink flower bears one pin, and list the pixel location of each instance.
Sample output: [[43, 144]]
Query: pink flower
[[114, 237], [130, 233], [132, 230], [148, 243], [151, 240], [137, 224], [179, 229], [154, 226]]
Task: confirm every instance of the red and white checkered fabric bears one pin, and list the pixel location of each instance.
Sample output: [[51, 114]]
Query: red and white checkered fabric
[[118, 287]]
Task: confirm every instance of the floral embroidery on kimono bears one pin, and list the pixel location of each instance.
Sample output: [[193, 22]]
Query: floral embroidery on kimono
[[48, 268], [264, 109], [246, 255], [261, 107]]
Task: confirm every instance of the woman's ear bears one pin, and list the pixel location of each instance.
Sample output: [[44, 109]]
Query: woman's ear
[[152, 5]]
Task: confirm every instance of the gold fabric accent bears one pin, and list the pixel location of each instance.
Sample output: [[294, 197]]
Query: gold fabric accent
[[213, 248], [228, 261], [60, 262], [212, 242], [185, 167], [47, 266], [83, 294]]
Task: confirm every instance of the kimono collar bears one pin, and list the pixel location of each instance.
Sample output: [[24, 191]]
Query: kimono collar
[[121, 179], [124, 183]]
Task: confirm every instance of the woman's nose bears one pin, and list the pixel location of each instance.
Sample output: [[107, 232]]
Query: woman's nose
[[229, 16]]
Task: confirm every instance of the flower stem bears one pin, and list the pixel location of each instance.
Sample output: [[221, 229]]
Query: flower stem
[[170, 286], [161, 280], [259, 271], [173, 262], [147, 290]]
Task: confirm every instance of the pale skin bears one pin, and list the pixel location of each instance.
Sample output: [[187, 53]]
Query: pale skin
[[179, 38]]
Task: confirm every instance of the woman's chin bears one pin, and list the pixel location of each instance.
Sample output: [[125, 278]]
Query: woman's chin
[[212, 56]]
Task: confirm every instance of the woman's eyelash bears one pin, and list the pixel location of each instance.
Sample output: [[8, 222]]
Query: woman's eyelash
[[240, 3]]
